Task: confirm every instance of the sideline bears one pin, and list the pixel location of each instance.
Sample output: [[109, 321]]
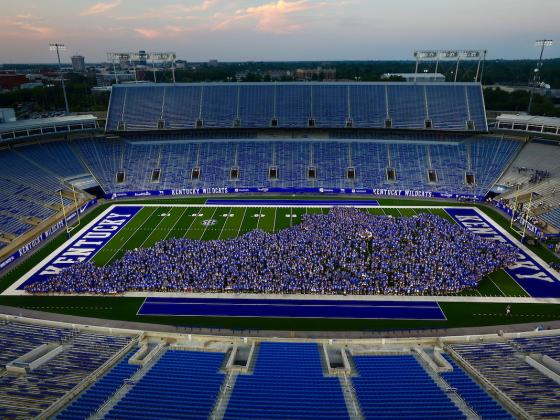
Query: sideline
[[286, 334]]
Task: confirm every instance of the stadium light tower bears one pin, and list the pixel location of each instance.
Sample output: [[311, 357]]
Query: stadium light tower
[[60, 47], [542, 43]]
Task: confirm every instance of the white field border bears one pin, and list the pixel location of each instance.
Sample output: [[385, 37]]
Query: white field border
[[12, 290]]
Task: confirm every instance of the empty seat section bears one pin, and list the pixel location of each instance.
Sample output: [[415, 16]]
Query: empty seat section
[[447, 106], [256, 105], [182, 106], [293, 105], [116, 107], [89, 401], [330, 105], [143, 106], [287, 383], [397, 386], [368, 107], [504, 366], [476, 106], [407, 106], [219, 105], [181, 385]]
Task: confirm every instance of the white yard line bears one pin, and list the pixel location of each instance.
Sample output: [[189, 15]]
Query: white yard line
[[495, 284], [225, 223], [242, 220], [154, 230], [194, 219], [128, 239], [274, 224], [259, 221], [206, 227], [175, 224]]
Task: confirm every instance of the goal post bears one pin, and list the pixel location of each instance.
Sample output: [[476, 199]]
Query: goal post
[[522, 217], [68, 227]]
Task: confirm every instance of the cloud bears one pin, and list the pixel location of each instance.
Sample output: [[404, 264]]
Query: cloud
[[28, 24], [280, 17], [100, 7], [277, 17], [148, 33], [174, 11]]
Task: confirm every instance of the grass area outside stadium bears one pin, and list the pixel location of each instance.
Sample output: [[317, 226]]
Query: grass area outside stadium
[[149, 227]]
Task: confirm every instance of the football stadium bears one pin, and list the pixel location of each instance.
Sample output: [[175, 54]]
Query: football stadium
[[281, 250]]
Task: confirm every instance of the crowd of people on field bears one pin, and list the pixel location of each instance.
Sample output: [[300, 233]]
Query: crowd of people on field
[[346, 251]]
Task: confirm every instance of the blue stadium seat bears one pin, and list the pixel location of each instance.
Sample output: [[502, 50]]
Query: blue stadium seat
[[287, 383], [330, 105], [397, 386], [181, 385], [473, 394]]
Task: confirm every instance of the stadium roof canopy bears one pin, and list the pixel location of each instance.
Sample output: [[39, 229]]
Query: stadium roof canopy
[[529, 123], [46, 126]]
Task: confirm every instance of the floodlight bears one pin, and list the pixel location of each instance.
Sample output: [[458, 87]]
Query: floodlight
[[55, 46], [544, 43]]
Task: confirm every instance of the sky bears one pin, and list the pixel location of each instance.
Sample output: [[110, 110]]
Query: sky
[[275, 30]]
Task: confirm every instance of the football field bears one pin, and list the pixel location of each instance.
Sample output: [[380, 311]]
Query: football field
[[133, 225], [153, 224], [143, 225]]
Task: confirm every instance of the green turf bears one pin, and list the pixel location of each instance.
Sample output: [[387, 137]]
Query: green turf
[[152, 224], [149, 226]]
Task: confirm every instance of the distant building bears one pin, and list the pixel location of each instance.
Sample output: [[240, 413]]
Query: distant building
[[108, 78], [319, 73], [10, 80], [278, 74], [142, 60], [78, 63], [31, 85], [7, 115], [213, 63], [181, 64], [528, 123], [417, 77]]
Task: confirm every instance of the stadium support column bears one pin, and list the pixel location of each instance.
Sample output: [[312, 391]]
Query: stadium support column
[[57, 47], [543, 43]]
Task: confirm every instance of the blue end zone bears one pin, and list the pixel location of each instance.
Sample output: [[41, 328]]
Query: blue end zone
[[299, 202], [284, 308], [86, 243], [535, 279]]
